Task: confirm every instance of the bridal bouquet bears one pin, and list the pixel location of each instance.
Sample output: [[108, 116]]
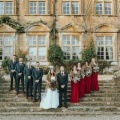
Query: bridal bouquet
[[88, 73], [96, 69], [53, 84], [76, 79], [82, 75]]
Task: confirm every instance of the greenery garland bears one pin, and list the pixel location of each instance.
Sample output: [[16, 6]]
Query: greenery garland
[[12, 23], [28, 24]]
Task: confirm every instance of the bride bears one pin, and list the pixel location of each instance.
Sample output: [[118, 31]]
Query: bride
[[50, 99]]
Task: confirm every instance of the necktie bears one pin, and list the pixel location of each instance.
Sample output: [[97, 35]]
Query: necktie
[[37, 69]]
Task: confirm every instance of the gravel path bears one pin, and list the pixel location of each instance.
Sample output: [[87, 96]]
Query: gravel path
[[108, 117]]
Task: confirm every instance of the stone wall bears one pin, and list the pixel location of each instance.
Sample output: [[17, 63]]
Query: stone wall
[[96, 25]]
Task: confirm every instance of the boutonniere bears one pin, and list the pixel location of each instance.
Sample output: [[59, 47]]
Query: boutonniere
[[63, 74]]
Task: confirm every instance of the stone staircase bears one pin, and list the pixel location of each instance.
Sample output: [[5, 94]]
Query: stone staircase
[[105, 101]]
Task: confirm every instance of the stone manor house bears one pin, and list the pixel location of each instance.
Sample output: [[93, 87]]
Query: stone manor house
[[69, 19]]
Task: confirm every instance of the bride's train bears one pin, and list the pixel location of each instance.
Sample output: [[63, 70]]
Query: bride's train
[[50, 99]]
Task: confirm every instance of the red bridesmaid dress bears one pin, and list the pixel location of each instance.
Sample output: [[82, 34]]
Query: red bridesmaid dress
[[81, 88], [87, 85], [94, 81], [74, 92]]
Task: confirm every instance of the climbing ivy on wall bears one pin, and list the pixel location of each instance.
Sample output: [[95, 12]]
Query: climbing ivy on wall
[[12, 23]]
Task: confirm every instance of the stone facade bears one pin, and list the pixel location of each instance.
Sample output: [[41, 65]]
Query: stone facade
[[85, 23]]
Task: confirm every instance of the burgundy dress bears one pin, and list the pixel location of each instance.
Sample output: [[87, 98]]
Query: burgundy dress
[[94, 81], [87, 87], [81, 88], [74, 90]]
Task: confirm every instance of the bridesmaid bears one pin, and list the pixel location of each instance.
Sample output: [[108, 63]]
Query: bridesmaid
[[74, 85], [94, 77], [81, 82], [87, 78]]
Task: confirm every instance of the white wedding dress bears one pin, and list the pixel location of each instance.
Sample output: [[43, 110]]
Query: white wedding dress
[[50, 99]]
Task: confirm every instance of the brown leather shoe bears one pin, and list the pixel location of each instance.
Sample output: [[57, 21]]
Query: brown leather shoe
[[26, 97], [39, 101], [10, 89], [16, 93]]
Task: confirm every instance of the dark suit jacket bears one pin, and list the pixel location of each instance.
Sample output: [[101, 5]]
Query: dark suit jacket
[[62, 80], [12, 65], [20, 68], [37, 75], [27, 72]]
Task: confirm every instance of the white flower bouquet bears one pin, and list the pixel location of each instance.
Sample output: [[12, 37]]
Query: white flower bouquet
[[88, 73], [82, 75], [96, 69], [76, 79]]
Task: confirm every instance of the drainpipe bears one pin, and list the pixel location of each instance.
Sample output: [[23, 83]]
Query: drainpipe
[[54, 21]]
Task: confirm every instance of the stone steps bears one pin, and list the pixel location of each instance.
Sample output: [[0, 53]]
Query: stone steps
[[34, 109], [69, 86], [66, 113], [81, 104], [43, 82], [86, 95], [90, 99], [105, 101], [101, 91], [102, 95]]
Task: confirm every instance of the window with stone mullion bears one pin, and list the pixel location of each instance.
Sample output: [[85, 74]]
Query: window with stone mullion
[[6, 46], [105, 48], [37, 48], [103, 8], [71, 47], [6, 7]]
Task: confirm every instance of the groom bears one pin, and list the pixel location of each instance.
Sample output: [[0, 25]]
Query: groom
[[62, 79]]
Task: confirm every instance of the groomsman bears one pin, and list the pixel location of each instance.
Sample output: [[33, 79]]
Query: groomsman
[[20, 74], [37, 75], [28, 79], [12, 66], [62, 79]]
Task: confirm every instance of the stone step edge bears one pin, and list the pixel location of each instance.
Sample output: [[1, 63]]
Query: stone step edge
[[60, 113], [70, 107], [91, 97]]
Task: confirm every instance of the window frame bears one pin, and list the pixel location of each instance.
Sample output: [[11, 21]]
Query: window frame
[[37, 46], [4, 7], [105, 46], [37, 7], [7, 45], [70, 10], [103, 7], [71, 45]]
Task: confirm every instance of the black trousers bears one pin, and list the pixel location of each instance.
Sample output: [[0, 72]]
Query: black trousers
[[29, 84], [18, 82], [64, 92], [13, 76], [37, 86]]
